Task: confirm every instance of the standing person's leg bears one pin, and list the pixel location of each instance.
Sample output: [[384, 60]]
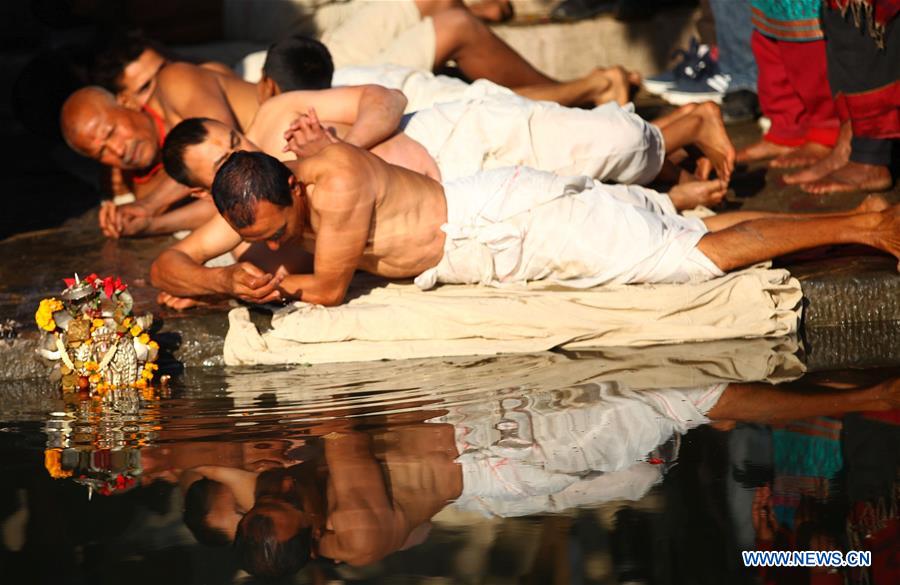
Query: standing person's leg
[[867, 91], [808, 71], [778, 100], [733, 30]]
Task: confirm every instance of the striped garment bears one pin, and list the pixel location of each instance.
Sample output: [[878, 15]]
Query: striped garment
[[788, 20]]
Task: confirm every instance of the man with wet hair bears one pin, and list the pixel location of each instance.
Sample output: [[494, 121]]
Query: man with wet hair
[[352, 211]]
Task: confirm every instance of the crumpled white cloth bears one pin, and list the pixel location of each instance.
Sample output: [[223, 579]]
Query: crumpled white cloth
[[609, 142], [518, 224], [400, 321]]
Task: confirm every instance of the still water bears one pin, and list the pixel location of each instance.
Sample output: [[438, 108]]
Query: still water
[[657, 465]]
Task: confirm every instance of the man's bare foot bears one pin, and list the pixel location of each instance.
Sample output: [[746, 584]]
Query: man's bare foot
[[612, 84], [706, 193], [178, 303], [853, 176], [837, 158], [703, 169], [887, 235], [805, 156], [763, 150], [492, 10], [713, 140], [871, 204]]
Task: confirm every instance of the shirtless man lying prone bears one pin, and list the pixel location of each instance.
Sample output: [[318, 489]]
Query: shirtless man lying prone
[[354, 212]]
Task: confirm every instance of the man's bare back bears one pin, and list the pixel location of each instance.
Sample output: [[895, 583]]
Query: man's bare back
[[185, 90], [278, 113], [408, 209]]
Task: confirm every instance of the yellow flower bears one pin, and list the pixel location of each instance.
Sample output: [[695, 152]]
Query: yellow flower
[[151, 366], [147, 374], [44, 315], [91, 366], [144, 338], [153, 344], [126, 322], [135, 330], [97, 323], [95, 378], [140, 384], [53, 463]]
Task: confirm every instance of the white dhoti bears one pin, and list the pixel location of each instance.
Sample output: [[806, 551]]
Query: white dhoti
[[517, 224], [609, 142], [423, 89]]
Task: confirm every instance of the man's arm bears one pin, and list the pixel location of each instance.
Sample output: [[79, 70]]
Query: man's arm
[[153, 197], [344, 203], [373, 112], [187, 217], [180, 271]]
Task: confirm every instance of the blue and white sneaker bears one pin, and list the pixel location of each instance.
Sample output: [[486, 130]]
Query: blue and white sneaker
[[689, 64], [692, 91], [701, 83]]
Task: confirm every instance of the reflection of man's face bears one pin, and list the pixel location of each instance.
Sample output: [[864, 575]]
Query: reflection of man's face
[[203, 160], [116, 136], [138, 80]]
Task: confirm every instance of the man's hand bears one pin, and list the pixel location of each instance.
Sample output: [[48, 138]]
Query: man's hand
[[306, 136], [248, 283], [123, 220]]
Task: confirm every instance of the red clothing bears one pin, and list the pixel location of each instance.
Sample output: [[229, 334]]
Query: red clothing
[[161, 134], [794, 92]]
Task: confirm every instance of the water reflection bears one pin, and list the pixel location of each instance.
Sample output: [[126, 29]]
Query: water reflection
[[653, 466]]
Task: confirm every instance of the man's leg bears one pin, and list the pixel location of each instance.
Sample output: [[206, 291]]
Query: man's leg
[[806, 66], [758, 240], [480, 53], [703, 126], [872, 203], [779, 102], [864, 79]]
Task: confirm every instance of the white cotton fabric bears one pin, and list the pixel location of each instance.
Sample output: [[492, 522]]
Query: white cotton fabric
[[423, 89], [517, 224], [399, 321], [521, 450], [609, 142]]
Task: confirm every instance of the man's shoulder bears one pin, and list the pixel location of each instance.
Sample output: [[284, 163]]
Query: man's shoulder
[[174, 75]]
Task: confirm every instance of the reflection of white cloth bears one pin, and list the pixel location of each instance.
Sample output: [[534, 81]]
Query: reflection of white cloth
[[609, 142], [525, 448], [517, 224]]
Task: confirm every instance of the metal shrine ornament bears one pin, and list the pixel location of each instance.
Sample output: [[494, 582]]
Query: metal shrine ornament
[[92, 339]]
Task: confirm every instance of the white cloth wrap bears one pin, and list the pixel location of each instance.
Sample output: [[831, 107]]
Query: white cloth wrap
[[516, 225], [423, 89], [521, 450], [496, 130]]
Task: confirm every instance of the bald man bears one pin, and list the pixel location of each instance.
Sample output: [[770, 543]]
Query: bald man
[[95, 125]]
